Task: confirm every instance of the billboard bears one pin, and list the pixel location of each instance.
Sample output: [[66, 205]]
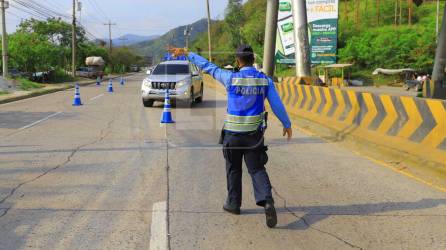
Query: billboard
[[322, 31]]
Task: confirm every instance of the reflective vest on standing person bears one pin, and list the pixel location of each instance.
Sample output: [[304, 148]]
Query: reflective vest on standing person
[[246, 101]]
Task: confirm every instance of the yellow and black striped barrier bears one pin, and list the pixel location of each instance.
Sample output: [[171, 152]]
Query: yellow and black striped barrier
[[413, 125]]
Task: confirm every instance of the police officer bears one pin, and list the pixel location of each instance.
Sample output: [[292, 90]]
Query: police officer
[[244, 127]]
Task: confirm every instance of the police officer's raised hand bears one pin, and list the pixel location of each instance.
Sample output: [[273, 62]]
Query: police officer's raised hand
[[288, 132]]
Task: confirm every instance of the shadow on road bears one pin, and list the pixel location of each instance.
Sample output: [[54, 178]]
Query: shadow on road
[[205, 104], [18, 119], [314, 214]]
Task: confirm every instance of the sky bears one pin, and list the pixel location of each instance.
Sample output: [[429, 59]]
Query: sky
[[140, 17]]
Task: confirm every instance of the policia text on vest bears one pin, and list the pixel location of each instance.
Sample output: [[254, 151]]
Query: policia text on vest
[[243, 131]]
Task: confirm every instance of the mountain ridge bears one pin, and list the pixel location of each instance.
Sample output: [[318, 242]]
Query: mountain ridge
[[174, 37], [129, 39]]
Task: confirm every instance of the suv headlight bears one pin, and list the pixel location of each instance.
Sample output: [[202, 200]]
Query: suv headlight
[[147, 83], [182, 83]]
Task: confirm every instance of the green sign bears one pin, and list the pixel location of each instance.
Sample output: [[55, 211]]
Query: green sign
[[322, 31]]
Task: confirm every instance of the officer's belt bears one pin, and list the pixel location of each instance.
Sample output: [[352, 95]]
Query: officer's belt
[[243, 123]]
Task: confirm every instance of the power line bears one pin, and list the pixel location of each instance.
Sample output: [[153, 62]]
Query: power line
[[56, 4], [13, 14], [46, 8], [32, 14], [39, 9], [98, 9]]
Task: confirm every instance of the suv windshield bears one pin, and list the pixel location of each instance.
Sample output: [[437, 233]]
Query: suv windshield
[[171, 69]]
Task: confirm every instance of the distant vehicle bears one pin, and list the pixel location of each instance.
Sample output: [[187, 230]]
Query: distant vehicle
[[96, 65], [89, 72], [134, 68], [181, 78], [43, 76], [85, 72]]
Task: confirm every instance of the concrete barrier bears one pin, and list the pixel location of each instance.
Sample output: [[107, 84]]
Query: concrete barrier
[[408, 124]]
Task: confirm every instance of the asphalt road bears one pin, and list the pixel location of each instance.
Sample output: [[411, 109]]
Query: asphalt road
[[106, 175]]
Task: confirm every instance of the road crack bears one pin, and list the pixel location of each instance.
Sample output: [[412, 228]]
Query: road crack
[[103, 134], [5, 212], [310, 226]]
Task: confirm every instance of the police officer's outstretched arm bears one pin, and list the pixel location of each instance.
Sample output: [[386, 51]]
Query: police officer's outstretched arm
[[221, 75], [279, 109]]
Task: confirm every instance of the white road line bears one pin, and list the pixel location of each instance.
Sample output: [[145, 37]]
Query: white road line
[[96, 97], [41, 120], [158, 237]]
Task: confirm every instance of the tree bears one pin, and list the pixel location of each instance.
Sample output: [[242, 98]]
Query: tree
[[123, 58], [57, 31], [31, 52], [87, 49], [234, 21]]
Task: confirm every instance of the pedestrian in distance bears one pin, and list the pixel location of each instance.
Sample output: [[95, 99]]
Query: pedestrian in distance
[[244, 127]]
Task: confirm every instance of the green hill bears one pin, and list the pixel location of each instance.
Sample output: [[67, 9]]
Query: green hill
[[252, 29], [174, 37], [362, 40]]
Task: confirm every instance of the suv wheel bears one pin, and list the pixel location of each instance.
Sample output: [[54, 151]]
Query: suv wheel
[[200, 98], [147, 103], [191, 99]]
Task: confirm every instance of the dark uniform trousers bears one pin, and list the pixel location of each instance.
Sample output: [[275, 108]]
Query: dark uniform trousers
[[249, 146]]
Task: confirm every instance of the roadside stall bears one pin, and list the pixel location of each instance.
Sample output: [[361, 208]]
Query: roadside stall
[[326, 72]]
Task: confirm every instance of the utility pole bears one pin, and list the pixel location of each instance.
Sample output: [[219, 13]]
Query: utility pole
[[301, 39], [110, 46], [357, 16], [410, 3], [187, 34], [401, 11], [73, 42], [396, 13], [437, 88], [209, 30], [437, 26], [378, 11], [272, 10], [4, 6]]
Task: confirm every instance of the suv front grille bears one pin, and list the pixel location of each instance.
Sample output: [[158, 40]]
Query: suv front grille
[[163, 85]]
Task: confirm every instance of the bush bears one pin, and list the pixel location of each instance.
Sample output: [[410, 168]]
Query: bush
[[25, 84], [387, 47], [59, 75]]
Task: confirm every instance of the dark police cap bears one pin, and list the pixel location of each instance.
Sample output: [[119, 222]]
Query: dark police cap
[[244, 50]]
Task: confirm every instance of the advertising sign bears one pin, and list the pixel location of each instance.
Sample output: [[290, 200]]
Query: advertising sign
[[322, 31]]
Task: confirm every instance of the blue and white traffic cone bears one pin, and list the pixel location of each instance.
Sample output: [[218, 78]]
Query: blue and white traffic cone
[[167, 115], [77, 96], [110, 86], [122, 80], [98, 81]]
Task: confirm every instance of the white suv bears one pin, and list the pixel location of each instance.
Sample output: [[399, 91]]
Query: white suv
[[181, 78]]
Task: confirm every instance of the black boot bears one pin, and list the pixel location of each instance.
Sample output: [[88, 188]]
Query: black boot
[[233, 209], [271, 215]]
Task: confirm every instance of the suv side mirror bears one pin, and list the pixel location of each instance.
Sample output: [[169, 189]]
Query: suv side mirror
[[149, 72]]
